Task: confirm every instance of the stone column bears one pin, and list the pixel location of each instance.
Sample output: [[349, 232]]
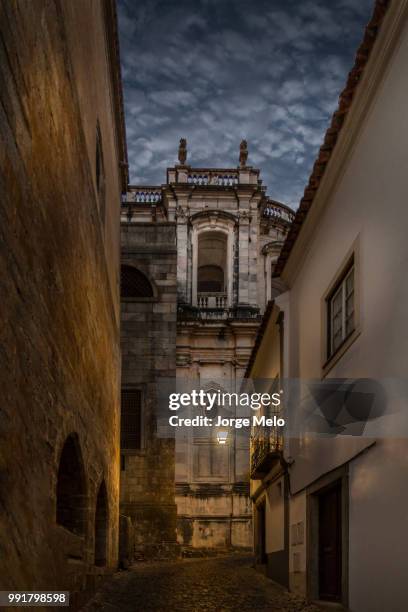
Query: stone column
[[194, 263], [243, 285], [253, 256], [182, 260]]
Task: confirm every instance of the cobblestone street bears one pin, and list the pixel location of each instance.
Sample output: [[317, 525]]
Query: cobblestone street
[[216, 584]]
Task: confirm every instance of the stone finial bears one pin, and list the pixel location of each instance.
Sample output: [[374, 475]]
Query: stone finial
[[182, 152], [243, 153]]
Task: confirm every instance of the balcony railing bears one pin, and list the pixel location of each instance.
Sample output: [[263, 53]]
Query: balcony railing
[[222, 179], [187, 312], [278, 214], [266, 450], [146, 195], [211, 300]]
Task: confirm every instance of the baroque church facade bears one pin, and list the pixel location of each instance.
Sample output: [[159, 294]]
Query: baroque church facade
[[202, 248]]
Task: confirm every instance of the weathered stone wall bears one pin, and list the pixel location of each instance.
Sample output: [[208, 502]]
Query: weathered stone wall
[[59, 332], [212, 514], [149, 354], [213, 348]]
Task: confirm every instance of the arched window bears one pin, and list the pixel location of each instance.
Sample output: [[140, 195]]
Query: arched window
[[134, 284], [101, 526], [210, 279], [71, 487], [212, 262]]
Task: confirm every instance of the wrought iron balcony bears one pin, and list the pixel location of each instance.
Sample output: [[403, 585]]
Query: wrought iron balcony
[[245, 312], [208, 311], [266, 451]]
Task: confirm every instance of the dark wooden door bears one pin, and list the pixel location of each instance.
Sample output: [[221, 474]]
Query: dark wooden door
[[262, 533], [330, 544]]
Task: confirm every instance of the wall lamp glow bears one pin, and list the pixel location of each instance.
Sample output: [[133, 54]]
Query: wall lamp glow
[[222, 437]]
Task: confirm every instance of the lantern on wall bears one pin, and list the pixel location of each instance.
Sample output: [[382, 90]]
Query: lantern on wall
[[222, 437]]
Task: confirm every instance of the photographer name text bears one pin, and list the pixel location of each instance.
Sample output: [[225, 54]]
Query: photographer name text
[[234, 422], [209, 401]]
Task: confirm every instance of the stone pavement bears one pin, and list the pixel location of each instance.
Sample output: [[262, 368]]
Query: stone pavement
[[215, 584]]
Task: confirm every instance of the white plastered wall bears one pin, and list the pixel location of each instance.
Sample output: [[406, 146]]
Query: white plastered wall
[[368, 208]]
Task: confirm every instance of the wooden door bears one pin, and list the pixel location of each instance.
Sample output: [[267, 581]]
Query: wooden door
[[262, 533], [330, 544]]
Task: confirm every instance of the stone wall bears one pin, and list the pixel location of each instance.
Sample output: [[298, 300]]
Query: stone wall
[[148, 355], [215, 333], [213, 516], [212, 490], [59, 332]]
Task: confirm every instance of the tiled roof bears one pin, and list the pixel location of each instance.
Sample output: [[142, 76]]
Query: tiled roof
[[332, 134]]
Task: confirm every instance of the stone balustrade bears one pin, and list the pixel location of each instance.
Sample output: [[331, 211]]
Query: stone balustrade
[[211, 300], [220, 179], [146, 195], [276, 212]]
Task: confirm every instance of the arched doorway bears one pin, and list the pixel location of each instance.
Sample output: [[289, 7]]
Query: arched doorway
[[101, 526], [134, 284], [71, 487]]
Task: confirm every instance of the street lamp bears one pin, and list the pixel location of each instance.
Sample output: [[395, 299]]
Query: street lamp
[[222, 437]]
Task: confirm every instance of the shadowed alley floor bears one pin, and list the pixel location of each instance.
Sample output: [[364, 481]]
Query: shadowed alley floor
[[216, 584]]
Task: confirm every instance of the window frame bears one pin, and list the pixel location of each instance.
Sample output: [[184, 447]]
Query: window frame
[[210, 444], [331, 356], [141, 449], [340, 290]]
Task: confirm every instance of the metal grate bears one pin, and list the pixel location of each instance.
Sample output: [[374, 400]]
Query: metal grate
[[130, 425], [134, 283]]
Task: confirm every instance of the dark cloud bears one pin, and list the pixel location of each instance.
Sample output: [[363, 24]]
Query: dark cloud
[[217, 71]]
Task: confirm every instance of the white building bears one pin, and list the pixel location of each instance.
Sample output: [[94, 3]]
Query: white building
[[331, 510]]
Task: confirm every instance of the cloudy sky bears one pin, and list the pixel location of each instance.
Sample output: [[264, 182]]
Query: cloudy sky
[[217, 71]]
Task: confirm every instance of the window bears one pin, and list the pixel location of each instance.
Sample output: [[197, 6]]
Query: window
[[210, 461], [210, 279], [131, 415], [134, 284], [71, 488], [340, 306], [212, 262]]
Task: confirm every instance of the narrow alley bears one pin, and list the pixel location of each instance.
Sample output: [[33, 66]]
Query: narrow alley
[[204, 298], [211, 584]]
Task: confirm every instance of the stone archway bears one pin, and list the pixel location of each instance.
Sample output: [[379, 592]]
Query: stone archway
[[71, 487], [101, 526]]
